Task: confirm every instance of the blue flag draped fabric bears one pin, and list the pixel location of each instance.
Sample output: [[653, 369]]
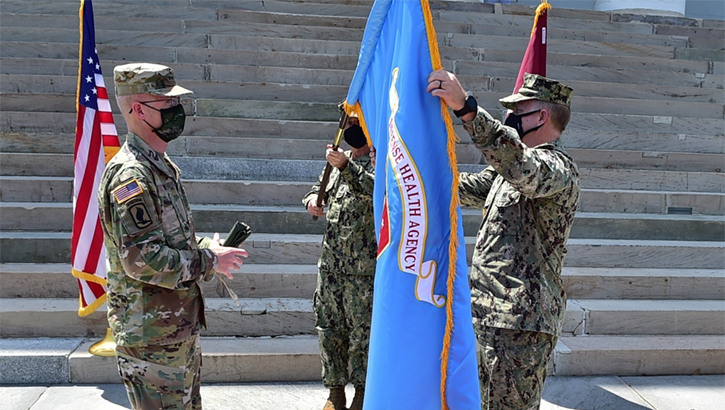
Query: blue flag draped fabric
[[422, 346]]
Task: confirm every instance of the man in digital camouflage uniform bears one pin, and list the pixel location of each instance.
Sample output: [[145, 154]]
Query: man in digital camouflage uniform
[[344, 295], [155, 262], [529, 194]]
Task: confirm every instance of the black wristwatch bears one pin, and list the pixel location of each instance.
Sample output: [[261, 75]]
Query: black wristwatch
[[471, 105]]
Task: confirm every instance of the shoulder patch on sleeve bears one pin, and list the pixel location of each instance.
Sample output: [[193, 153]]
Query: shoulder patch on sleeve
[[140, 214], [127, 191]]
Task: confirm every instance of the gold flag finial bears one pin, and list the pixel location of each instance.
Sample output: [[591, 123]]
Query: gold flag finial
[[105, 347], [543, 7]]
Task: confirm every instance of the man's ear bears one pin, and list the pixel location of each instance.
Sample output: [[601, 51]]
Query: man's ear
[[137, 109], [543, 115]]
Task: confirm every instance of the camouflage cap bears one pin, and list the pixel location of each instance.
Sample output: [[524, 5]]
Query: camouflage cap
[[146, 78], [537, 87]]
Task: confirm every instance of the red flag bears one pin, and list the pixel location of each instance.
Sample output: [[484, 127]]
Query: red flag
[[534, 61], [96, 143]]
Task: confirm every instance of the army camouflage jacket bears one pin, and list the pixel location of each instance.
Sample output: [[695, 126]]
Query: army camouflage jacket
[[349, 245], [154, 260], [529, 196]]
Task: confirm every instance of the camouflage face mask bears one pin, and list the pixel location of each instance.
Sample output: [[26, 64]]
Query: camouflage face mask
[[172, 125]]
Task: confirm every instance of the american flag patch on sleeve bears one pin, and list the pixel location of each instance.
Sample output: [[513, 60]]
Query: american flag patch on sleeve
[[127, 191]]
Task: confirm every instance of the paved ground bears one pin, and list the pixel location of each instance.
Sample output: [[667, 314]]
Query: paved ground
[[560, 393]]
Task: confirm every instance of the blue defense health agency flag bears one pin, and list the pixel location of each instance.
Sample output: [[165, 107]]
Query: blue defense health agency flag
[[422, 346]]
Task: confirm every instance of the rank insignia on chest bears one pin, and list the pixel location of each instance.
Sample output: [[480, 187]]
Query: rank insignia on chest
[[127, 191]]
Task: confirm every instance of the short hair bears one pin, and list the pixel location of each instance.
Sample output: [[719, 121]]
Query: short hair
[[559, 114], [125, 102]]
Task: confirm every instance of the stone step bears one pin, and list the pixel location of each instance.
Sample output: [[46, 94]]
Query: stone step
[[266, 136], [697, 79], [644, 283], [57, 216], [244, 11], [630, 159], [54, 247], [224, 124], [21, 164], [228, 49], [326, 7], [53, 280], [477, 53], [23, 317], [644, 317], [253, 281], [279, 193], [196, 34], [132, 9], [580, 47], [43, 76], [475, 23], [45, 317], [226, 359], [605, 124], [561, 17], [296, 358], [276, 148], [661, 202], [639, 355], [312, 111], [226, 113]]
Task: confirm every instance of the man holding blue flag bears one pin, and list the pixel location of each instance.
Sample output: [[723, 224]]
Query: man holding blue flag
[[422, 343], [530, 193]]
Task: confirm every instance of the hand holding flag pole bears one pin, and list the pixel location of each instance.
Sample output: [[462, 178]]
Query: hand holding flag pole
[[328, 168]]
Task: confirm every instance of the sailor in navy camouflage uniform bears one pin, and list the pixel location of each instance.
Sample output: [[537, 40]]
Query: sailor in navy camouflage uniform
[[343, 299], [529, 194]]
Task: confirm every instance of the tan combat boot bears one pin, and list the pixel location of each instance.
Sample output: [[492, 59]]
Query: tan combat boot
[[357, 401], [337, 399]]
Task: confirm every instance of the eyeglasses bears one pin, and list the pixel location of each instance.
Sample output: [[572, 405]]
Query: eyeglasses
[[172, 101]]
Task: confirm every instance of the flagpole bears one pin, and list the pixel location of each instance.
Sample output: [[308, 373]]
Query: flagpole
[[96, 142], [105, 347]]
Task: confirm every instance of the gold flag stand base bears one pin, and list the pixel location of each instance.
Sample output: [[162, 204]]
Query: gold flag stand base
[[105, 347]]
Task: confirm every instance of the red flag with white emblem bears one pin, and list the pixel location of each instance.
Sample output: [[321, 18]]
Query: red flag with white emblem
[[534, 61]]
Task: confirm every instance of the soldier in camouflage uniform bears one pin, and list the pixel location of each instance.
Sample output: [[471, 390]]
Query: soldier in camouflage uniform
[[344, 295], [529, 194], [155, 261]]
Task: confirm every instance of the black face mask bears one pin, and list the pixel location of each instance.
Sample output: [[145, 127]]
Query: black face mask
[[355, 136], [172, 122], [514, 121]]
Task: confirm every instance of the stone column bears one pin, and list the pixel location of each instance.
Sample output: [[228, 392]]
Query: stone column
[[652, 7]]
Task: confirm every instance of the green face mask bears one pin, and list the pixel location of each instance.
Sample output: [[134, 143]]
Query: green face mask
[[172, 125]]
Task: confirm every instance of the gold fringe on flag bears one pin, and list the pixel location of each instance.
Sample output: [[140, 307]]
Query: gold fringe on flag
[[543, 7], [454, 205]]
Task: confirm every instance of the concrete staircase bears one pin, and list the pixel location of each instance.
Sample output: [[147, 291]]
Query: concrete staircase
[[645, 273]]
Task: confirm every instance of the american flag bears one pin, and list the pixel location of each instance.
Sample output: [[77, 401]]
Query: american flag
[[127, 191], [96, 142]]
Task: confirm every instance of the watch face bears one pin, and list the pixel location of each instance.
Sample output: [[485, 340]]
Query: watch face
[[471, 104]]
